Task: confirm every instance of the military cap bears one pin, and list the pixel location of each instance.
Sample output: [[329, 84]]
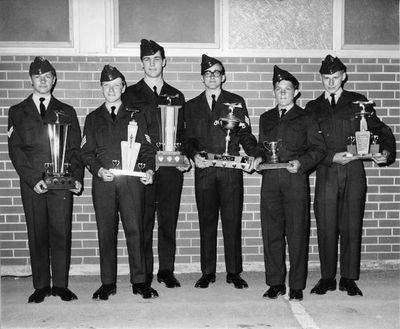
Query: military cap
[[41, 66], [331, 65], [280, 75], [150, 47], [207, 62], [110, 73]]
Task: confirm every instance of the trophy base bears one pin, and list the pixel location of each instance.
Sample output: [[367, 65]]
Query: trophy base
[[118, 172], [170, 159], [229, 161], [59, 182], [267, 166], [368, 156]]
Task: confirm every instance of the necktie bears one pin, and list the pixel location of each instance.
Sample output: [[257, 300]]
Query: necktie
[[333, 102], [42, 107], [113, 115], [155, 91], [283, 111], [213, 102]]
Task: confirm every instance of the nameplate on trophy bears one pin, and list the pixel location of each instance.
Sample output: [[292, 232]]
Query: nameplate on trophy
[[228, 161]]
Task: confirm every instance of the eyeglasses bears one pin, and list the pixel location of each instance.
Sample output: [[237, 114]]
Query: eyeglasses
[[215, 74]]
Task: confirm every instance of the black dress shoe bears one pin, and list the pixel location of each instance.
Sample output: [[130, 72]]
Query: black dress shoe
[[64, 293], [105, 291], [296, 294], [168, 278], [323, 286], [274, 291], [236, 280], [205, 280], [39, 295], [144, 290], [350, 286]]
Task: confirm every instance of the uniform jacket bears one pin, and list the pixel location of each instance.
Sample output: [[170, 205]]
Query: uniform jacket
[[141, 93], [29, 144], [340, 123], [101, 142], [298, 134], [203, 133]]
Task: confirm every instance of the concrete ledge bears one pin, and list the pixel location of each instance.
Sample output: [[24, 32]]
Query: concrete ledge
[[123, 269]]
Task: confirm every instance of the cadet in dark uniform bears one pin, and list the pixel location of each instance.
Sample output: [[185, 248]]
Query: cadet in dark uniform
[[217, 189], [164, 195], [104, 130], [48, 213], [341, 183], [285, 193]]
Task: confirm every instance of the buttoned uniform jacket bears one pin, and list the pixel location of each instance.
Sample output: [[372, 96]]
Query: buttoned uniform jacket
[[340, 123], [298, 135], [101, 143], [341, 189], [29, 144], [203, 133], [140, 93]]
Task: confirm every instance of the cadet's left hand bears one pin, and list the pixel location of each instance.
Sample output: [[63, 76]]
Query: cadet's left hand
[[78, 187], [149, 177], [382, 158], [187, 166], [295, 166], [257, 162]]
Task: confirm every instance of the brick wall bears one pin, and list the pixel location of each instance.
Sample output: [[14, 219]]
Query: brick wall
[[78, 85]]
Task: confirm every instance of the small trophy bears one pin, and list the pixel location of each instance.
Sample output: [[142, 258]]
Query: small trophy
[[129, 154], [363, 145], [168, 154], [273, 159], [57, 174], [225, 160]]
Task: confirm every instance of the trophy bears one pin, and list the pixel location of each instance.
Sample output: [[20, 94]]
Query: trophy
[[129, 154], [273, 158], [57, 174], [363, 145], [225, 160], [168, 154]]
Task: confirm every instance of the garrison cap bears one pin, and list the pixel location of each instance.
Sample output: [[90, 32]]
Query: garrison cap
[[207, 62], [280, 75], [110, 73], [331, 65], [41, 65], [150, 47]]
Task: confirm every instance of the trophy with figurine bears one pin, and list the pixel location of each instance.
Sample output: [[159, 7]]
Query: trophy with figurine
[[229, 123], [272, 161], [363, 145], [57, 174], [168, 154], [129, 154]]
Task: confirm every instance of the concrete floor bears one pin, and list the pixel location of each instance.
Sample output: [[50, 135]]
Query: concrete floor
[[219, 306]]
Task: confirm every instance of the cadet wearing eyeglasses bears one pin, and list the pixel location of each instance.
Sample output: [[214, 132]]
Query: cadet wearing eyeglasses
[[217, 189]]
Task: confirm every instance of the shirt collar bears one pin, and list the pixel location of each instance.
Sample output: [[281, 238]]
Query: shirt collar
[[159, 83], [36, 100], [337, 94]]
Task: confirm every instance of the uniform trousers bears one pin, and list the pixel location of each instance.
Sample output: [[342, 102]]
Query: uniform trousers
[[48, 220], [163, 196], [339, 208], [220, 190], [123, 197], [285, 219]]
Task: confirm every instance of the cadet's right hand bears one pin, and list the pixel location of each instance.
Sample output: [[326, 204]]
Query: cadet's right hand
[[343, 158], [40, 187], [106, 175], [200, 162]]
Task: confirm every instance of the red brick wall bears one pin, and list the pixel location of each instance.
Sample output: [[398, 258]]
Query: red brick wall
[[78, 85]]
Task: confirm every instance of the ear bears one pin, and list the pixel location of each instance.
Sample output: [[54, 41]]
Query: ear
[[223, 79], [296, 92], [123, 88], [164, 62], [344, 76]]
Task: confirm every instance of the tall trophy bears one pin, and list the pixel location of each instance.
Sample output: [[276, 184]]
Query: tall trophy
[[273, 161], [168, 154], [229, 123], [129, 154], [57, 174], [364, 145]]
